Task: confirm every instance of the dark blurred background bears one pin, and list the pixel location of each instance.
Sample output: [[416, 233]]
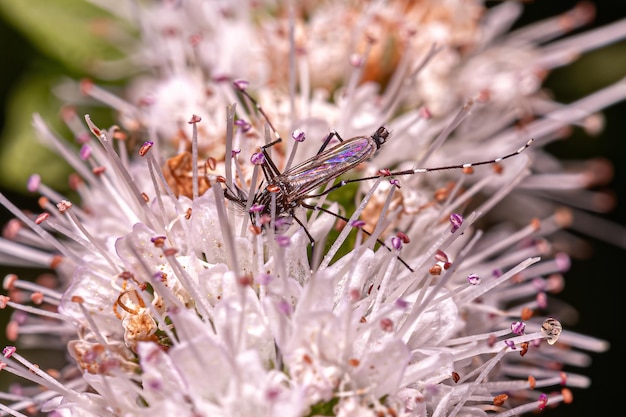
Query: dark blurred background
[[589, 284]]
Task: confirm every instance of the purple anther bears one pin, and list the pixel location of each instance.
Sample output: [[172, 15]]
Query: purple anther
[[284, 307], [241, 84], [497, 273], [147, 100], [272, 394], [8, 351], [34, 181], [518, 327], [395, 182], [235, 152], [158, 277], [386, 324], [539, 283], [257, 158], [441, 256], [356, 60], [401, 304], [473, 279], [194, 119], [357, 223], [396, 243], [145, 148], [425, 113], [510, 344], [562, 261], [282, 221], [155, 384], [195, 39], [543, 401], [221, 78], [256, 208], [243, 125], [157, 238], [85, 152], [83, 137], [298, 135], [456, 220], [283, 241], [542, 300]]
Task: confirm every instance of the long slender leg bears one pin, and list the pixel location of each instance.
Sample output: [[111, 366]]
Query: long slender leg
[[328, 139], [345, 219], [269, 167], [308, 234]]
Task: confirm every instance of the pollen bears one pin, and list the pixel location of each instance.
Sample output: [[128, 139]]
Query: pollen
[[500, 399], [178, 172]]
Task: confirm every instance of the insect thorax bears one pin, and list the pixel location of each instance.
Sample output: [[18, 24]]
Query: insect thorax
[[284, 205]]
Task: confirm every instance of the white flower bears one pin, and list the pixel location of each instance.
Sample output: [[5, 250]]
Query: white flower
[[186, 283]]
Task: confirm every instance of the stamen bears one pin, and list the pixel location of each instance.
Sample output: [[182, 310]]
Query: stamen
[[14, 254], [202, 303], [564, 51], [65, 207], [228, 169], [298, 136], [123, 173], [38, 311], [553, 27], [381, 224], [463, 113], [61, 146], [36, 228], [542, 128], [194, 154], [231, 255], [401, 84], [479, 290], [292, 66], [344, 233], [112, 100]]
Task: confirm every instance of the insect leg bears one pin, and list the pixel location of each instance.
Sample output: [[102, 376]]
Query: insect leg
[[270, 170], [328, 139], [256, 104], [308, 234], [345, 219], [269, 167]]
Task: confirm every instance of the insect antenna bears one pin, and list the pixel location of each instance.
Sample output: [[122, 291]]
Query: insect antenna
[[297, 135], [466, 167], [241, 85]]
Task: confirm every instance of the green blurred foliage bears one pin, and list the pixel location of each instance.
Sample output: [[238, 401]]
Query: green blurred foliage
[[67, 35], [22, 153], [65, 31]]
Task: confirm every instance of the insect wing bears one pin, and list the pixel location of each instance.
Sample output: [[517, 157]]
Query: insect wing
[[328, 165]]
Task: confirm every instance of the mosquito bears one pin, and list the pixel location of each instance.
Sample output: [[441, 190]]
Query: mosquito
[[288, 190]]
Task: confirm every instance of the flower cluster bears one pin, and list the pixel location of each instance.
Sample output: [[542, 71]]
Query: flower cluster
[[209, 268]]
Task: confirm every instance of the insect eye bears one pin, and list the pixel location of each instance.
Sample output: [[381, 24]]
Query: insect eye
[[380, 136]]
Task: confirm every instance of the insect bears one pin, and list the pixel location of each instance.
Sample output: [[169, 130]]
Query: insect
[[293, 186], [285, 191]]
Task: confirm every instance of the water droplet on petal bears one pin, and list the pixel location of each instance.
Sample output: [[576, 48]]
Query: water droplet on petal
[[551, 330]]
